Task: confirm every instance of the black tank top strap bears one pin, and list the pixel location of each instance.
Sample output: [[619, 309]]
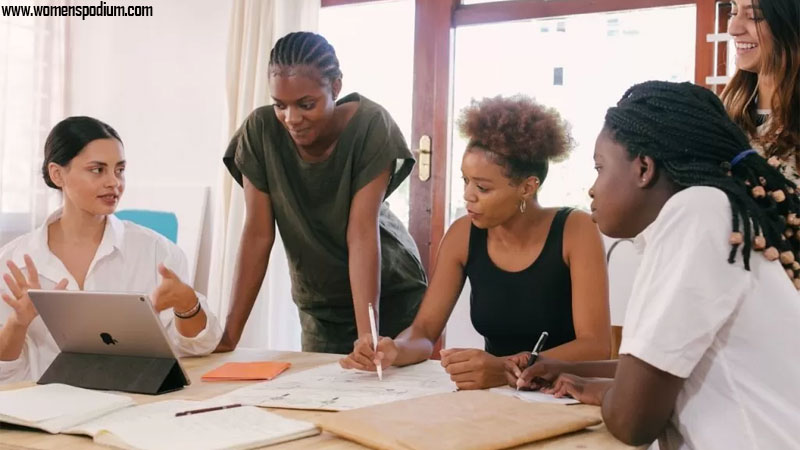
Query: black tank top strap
[[556, 235], [478, 250]]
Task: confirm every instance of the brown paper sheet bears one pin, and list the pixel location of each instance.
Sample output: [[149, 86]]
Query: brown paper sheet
[[470, 420]]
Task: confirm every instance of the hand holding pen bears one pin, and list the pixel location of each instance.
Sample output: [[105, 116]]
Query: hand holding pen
[[374, 330], [364, 356], [534, 355]]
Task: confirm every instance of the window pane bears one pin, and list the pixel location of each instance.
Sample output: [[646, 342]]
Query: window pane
[[375, 46], [579, 65]]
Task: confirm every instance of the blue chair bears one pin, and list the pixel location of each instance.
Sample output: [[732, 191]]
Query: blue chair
[[162, 222]]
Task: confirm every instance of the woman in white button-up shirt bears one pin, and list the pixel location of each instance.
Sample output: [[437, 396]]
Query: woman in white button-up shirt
[[709, 347], [83, 246]]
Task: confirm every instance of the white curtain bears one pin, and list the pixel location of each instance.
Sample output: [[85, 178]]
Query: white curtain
[[32, 97], [255, 27]]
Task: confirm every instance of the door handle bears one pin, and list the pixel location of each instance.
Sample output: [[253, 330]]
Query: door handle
[[424, 158]]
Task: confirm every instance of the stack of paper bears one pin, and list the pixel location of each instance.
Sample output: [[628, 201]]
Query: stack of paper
[[331, 388]]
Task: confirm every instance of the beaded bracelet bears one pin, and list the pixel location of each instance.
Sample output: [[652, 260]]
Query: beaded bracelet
[[191, 312]]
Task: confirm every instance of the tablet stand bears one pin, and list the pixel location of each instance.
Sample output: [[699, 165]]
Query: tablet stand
[[137, 374]]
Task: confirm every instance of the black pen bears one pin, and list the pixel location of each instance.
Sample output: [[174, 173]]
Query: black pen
[[198, 411], [537, 348], [535, 352]]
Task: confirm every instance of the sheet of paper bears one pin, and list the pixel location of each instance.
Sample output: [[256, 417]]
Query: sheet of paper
[[331, 388], [243, 427], [56, 406], [149, 411], [534, 396]]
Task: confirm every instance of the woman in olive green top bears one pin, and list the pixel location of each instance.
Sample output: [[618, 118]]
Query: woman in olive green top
[[321, 169]]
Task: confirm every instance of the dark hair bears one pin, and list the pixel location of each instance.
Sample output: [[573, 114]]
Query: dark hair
[[69, 137], [305, 49], [686, 130], [781, 61], [520, 134]]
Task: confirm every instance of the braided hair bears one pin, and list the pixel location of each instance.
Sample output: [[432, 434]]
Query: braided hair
[[686, 130], [304, 49]]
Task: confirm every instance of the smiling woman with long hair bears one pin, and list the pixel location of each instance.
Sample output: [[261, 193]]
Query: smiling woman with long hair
[[763, 97]]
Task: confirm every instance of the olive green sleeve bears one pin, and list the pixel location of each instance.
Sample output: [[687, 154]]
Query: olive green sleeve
[[245, 155], [385, 147]]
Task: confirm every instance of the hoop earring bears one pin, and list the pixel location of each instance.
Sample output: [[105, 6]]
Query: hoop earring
[[522, 206]]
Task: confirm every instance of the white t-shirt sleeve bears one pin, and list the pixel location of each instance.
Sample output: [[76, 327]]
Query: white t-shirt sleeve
[[685, 289], [205, 341]]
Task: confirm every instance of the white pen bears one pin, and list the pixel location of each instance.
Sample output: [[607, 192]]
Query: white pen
[[374, 338]]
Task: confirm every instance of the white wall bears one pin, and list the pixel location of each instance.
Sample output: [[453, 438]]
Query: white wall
[[160, 82]]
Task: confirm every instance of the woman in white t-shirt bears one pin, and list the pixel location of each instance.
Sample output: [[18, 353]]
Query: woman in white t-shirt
[[708, 355], [83, 246]]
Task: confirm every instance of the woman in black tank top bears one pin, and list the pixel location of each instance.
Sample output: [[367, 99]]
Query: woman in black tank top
[[531, 269], [511, 309]]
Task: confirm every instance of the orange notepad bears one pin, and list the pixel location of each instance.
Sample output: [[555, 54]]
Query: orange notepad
[[233, 371]]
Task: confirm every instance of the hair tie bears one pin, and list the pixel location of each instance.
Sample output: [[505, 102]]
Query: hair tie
[[738, 158]]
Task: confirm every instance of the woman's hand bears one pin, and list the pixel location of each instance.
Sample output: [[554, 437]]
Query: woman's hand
[[473, 369], [543, 373], [520, 359], [585, 390], [173, 293], [23, 311], [363, 357]]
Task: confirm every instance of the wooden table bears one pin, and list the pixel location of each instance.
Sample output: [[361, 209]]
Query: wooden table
[[14, 438]]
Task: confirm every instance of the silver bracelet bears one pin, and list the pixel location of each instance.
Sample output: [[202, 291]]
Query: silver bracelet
[[191, 312]]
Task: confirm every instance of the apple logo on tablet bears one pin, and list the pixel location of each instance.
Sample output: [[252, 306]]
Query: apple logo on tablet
[[107, 339]]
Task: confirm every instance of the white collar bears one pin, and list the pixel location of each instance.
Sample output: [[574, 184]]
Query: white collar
[[39, 250], [641, 239]]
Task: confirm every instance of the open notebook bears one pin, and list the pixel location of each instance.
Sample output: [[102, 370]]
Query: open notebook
[[57, 407], [113, 419]]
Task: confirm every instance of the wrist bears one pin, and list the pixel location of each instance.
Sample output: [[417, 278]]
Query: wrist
[[187, 312], [188, 299], [14, 324], [604, 388], [365, 334]]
